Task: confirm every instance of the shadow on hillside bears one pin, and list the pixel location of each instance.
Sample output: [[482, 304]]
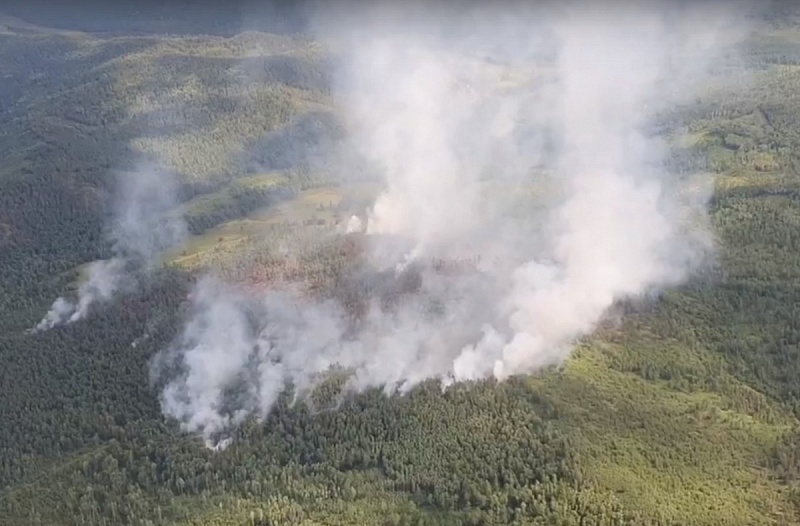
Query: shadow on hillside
[[150, 17], [309, 137]]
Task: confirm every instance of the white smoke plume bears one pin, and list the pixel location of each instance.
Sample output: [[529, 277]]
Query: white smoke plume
[[465, 112], [146, 222], [149, 220]]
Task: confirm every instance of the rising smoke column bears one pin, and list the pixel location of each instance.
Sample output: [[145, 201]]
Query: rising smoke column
[[146, 222], [450, 107], [614, 236]]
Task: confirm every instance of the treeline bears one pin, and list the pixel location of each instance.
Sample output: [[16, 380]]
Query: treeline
[[234, 202], [480, 454], [688, 404], [152, 17], [74, 110]]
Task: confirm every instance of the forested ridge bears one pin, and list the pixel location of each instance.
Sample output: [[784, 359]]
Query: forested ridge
[[686, 412]]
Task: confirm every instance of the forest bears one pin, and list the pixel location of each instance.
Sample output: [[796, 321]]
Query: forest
[[687, 411]]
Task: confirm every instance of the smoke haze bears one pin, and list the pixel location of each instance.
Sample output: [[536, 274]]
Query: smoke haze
[[466, 114], [146, 222]]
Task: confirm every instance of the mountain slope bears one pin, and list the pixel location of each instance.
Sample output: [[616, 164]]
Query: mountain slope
[[686, 412]]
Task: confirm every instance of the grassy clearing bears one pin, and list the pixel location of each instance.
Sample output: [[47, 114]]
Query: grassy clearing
[[210, 203], [313, 207], [676, 415]]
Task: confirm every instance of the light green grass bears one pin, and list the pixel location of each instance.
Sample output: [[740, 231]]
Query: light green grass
[[223, 241], [680, 455], [208, 202]]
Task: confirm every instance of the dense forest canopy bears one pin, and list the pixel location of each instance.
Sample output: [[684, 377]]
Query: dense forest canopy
[[680, 407]]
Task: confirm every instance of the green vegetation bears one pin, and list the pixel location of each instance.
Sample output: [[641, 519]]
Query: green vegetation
[[685, 413], [233, 245], [240, 197]]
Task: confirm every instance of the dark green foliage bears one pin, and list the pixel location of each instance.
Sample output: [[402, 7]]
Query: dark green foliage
[[236, 201], [687, 413], [309, 138]]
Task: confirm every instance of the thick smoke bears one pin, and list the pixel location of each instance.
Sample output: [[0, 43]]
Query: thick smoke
[[517, 134], [146, 222]]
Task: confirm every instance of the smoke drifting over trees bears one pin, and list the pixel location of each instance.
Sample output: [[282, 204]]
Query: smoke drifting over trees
[[450, 106], [146, 222]]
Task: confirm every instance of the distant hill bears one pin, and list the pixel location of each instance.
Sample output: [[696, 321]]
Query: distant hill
[[74, 107], [182, 17], [686, 411]]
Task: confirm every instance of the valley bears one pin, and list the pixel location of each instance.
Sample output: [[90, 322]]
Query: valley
[[685, 410]]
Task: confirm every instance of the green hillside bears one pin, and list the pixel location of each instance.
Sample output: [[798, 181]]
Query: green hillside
[[685, 413]]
